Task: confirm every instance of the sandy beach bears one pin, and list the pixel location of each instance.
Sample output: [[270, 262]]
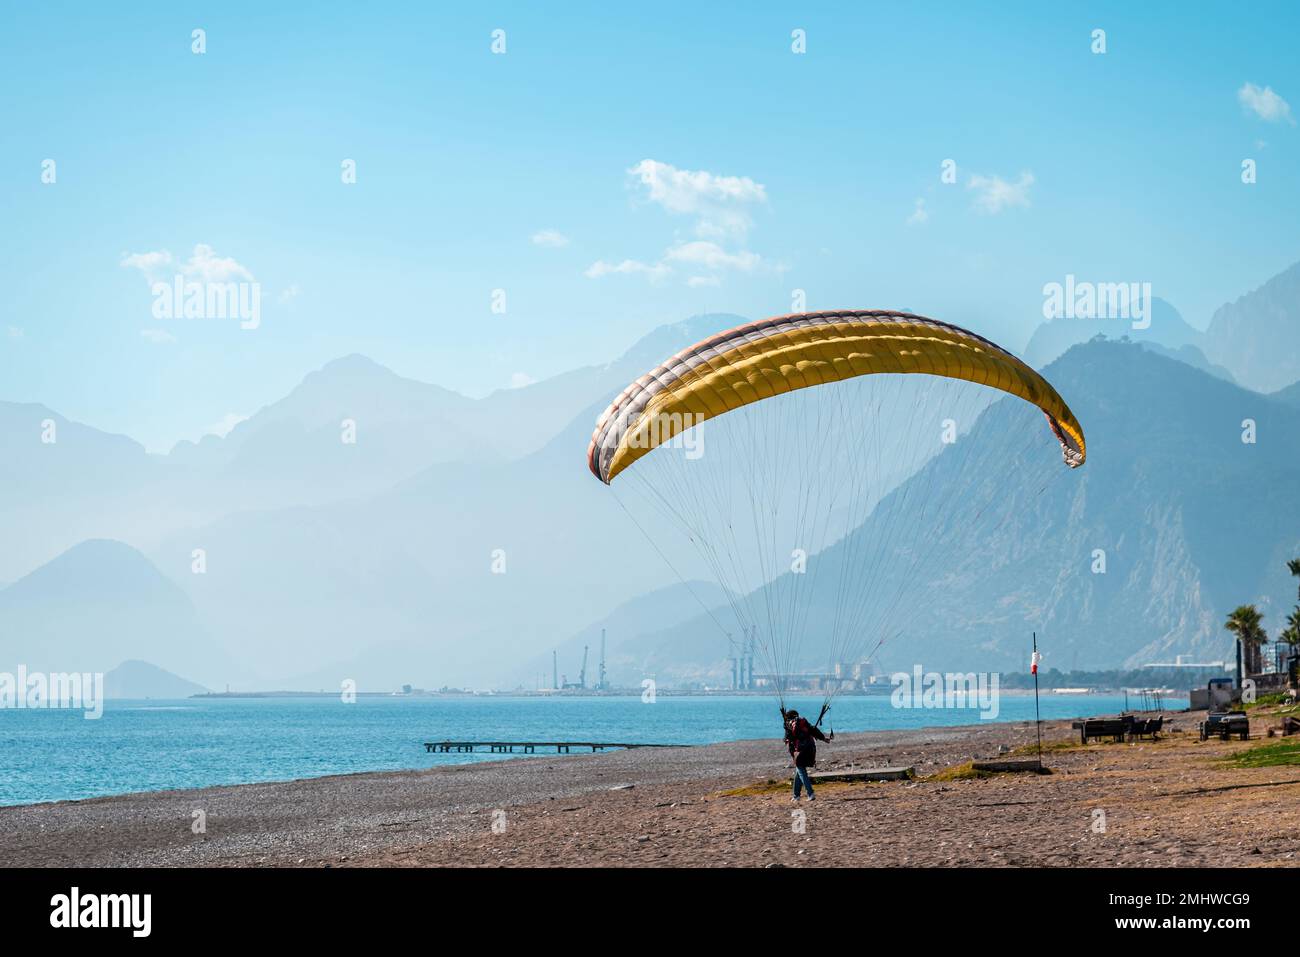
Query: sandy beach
[[1176, 801]]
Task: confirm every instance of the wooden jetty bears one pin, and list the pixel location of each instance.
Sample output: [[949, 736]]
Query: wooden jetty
[[530, 747]]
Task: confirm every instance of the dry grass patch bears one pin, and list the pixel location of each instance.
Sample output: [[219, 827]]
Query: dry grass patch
[[770, 786], [959, 772], [784, 786]]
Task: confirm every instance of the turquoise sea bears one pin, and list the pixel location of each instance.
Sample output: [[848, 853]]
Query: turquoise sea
[[154, 745]]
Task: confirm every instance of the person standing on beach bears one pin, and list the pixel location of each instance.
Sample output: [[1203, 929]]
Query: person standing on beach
[[801, 739]]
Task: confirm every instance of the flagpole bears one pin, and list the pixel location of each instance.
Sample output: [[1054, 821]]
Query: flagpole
[[1038, 720]]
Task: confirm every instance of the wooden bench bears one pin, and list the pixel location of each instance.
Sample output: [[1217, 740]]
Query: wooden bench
[[1099, 728], [1148, 727]]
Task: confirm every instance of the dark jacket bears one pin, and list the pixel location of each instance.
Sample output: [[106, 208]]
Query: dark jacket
[[801, 740]]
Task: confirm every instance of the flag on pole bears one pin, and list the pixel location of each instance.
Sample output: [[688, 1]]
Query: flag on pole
[[1038, 718]]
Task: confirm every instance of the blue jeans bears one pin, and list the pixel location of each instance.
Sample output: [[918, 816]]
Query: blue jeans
[[801, 779]]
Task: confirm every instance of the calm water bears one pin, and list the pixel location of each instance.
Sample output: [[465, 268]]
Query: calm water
[[154, 745]]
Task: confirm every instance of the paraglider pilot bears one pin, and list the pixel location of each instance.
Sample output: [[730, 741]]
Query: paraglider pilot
[[801, 737]]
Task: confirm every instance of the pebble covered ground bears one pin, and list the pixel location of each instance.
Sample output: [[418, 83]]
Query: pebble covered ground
[[1171, 802]]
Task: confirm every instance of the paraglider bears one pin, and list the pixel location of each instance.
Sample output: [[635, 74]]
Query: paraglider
[[842, 448], [775, 356]]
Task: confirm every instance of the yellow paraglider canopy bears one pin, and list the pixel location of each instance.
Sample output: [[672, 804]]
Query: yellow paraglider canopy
[[774, 356]]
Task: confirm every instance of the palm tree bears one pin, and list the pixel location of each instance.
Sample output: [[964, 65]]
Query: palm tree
[[1244, 622], [1291, 635], [1292, 632]]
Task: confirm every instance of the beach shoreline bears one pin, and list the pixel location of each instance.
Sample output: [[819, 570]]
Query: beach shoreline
[[1132, 804]]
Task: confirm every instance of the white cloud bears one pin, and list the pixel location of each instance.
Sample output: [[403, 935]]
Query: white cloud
[[1265, 104], [204, 265], [688, 191], [550, 238], [720, 209], [157, 336], [521, 379], [627, 267], [147, 263], [14, 332], [719, 204], [712, 256], [994, 194], [919, 214]]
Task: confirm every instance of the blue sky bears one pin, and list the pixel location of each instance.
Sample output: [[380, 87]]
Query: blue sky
[[686, 141]]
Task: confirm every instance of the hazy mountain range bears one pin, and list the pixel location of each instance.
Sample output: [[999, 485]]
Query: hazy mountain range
[[459, 540], [1167, 329], [301, 552], [1254, 340]]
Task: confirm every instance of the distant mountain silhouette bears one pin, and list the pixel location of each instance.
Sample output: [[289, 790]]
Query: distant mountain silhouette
[[91, 484], [1193, 356], [355, 583], [1254, 340], [62, 482], [139, 679], [398, 587], [97, 604], [296, 445], [1288, 396], [1258, 335], [1054, 337]]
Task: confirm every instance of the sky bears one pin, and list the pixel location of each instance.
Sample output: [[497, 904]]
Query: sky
[[536, 199]]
